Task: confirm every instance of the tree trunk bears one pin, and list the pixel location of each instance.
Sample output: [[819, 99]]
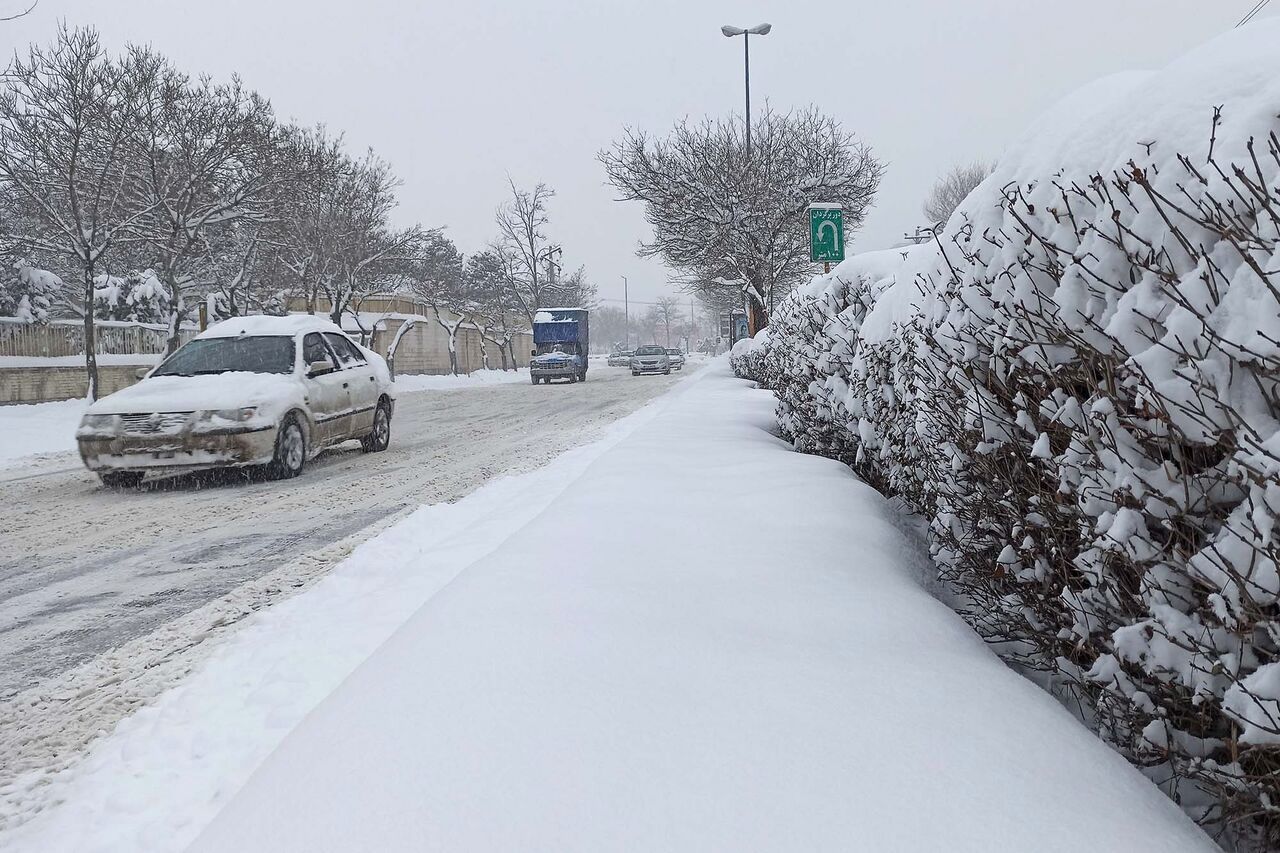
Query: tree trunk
[[177, 308], [757, 319], [453, 351], [90, 334], [502, 351]]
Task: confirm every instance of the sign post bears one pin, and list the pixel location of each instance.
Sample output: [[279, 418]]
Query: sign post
[[826, 234]]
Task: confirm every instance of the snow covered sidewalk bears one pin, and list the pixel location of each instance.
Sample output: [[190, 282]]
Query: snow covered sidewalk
[[707, 642], [685, 637]]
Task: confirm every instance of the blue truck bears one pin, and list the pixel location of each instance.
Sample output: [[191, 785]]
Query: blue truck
[[562, 340]]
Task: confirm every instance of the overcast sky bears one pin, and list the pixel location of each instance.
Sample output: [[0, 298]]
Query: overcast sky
[[458, 95]]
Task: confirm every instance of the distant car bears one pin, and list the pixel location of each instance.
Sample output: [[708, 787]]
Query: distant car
[[676, 357], [621, 358], [269, 391], [650, 359]]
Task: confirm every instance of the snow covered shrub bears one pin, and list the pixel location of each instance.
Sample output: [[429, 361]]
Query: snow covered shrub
[[139, 297], [1106, 378], [28, 293], [1079, 385], [747, 356]]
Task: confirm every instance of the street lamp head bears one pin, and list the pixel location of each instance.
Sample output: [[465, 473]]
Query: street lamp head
[[730, 32], [760, 29]]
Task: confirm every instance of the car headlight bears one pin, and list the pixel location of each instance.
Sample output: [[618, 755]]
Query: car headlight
[[98, 421], [233, 415]]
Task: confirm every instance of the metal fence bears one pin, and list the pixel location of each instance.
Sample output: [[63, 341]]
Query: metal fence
[[66, 337]]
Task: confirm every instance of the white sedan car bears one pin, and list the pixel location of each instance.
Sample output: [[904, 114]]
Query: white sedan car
[[269, 391]]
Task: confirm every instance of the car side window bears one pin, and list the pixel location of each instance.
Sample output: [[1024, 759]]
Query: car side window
[[313, 349], [345, 350]]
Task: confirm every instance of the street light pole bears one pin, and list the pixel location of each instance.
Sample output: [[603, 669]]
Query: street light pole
[[626, 312], [746, 74], [747, 33]]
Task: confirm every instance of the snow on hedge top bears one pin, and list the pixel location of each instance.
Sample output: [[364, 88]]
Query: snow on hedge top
[[1148, 117], [262, 324]]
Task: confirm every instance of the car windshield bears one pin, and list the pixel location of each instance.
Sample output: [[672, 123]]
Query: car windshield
[[651, 351], [259, 354]]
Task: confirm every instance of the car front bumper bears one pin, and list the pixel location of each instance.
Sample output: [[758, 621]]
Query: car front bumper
[[650, 368], [185, 451]]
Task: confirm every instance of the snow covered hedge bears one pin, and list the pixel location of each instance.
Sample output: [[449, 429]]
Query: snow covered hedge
[[1079, 385]]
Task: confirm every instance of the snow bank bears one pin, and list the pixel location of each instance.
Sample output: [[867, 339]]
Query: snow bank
[[590, 685], [407, 383], [39, 428], [1078, 384]]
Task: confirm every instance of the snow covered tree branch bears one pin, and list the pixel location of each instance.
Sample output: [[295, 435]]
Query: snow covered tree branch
[[730, 223]]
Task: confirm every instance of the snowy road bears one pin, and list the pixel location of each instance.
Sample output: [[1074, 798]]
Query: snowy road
[[84, 570]]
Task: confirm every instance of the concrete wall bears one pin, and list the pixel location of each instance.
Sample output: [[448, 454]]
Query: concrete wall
[[40, 384], [424, 348]]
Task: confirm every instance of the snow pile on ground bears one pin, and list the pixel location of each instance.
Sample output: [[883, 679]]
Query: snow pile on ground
[[406, 383], [588, 685], [39, 428], [1079, 384]]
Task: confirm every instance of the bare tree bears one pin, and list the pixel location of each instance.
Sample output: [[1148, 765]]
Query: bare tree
[[65, 115], [737, 224], [522, 223], [575, 290], [437, 277], [666, 314], [494, 309], [953, 188], [313, 168], [202, 156], [16, 15], [367, 248]]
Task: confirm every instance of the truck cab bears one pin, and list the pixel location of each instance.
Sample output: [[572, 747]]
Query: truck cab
[[561, 338]]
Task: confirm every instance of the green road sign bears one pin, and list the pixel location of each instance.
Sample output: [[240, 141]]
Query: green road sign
[[826, 233]]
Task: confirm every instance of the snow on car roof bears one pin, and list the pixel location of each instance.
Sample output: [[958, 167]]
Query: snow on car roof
[[262, 324]]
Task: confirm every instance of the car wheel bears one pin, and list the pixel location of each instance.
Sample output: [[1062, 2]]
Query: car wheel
[[291, 450], [635, 373], [667, 372], [377, 440], [121, 479], [582, 377], [535, 379]]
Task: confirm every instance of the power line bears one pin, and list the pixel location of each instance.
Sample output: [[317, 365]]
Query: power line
[[1253, 13]]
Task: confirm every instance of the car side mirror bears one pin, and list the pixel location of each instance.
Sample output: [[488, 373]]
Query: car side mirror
[[533, 352], [319, 368], [141, 372]]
